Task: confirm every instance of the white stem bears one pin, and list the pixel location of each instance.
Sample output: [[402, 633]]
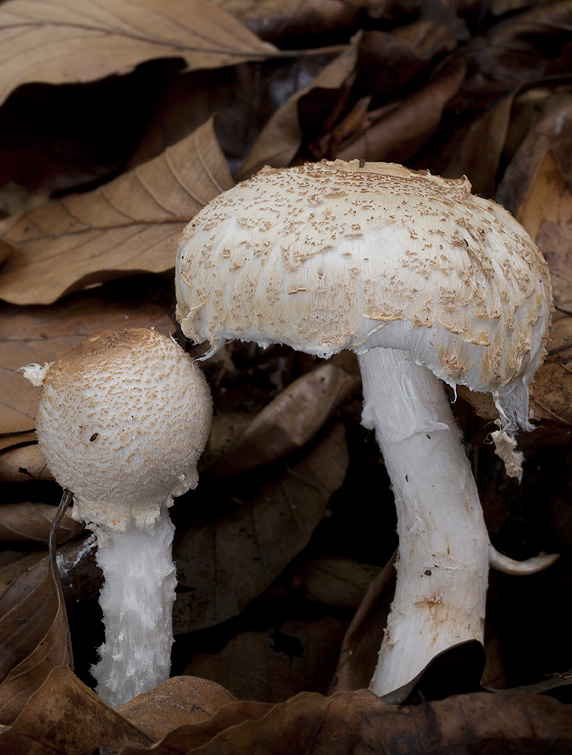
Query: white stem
[[443, 542], [137, 601]]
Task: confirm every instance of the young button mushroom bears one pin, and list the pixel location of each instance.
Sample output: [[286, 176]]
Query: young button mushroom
[[122, 420], [425, 282]]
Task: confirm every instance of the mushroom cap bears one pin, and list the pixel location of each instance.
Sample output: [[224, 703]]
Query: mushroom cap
[[122, 419], [356, 255]]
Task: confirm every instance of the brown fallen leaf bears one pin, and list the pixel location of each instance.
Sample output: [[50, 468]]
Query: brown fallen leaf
[[32, 522], [22, 461], [65, 717], [401, 132], [276, 664], [129, 225], [332, 582], [76, 41], [287, 423], [80, 578], [552, 130], [546, 213], [229, 557], [282, 136], [179, 701], [34, 636], [356, 722], [40, 334]]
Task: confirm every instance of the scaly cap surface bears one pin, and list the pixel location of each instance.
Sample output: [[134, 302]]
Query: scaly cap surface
[[122, 420], [334, 255]]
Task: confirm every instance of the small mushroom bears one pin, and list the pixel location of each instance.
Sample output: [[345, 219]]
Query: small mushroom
[[122, 420], [426, 283]]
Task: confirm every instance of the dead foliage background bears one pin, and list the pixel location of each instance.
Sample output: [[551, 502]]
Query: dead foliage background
[[118, 122]]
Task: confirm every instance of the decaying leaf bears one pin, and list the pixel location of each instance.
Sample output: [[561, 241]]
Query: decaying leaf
[[282, 135], [77, 41], [65, 716], [34, 637], [40, 334], [179, 701], [355, 722], [225, 561], [32, 522], [398, 134], [129, 225], [22, 461], [274, 665], [287, 423]]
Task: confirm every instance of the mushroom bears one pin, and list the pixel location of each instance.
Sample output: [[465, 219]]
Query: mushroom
[[426, 283], [122, 420]]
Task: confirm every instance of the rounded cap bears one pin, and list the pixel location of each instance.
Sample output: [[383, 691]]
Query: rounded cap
[[335, 255], [122, 420]]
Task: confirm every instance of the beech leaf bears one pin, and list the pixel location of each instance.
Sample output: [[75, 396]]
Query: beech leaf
[[224, 562], [69, 41], [178, 701], [65, 716], [32, 522], [34, 637], [129, 225]]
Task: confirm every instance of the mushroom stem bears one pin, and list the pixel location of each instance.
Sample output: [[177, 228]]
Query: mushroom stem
[[137, 601], [443, 541]]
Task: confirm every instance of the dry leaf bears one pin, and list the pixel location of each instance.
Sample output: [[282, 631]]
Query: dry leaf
[[23, 461], [129, 225], [79, 576], [34, 637], [65, 716], [68, 41], [40, 334], [287, 423], [551, 392], [329, 581], [274, 665], [399, 134], [546, 213], [282, 136], [284, 20], [225, 561], [358, 722], [179, 701], [31, 522]]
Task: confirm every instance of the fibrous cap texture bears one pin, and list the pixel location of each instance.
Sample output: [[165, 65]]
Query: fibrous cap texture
[[351, 255], [122, 420]]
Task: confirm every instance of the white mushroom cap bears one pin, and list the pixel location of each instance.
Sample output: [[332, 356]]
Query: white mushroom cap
[[122, 420], [334, 255]]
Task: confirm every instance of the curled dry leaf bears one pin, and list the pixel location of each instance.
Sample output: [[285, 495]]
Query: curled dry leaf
[[40, 334], [129, 225], [179, 701], [22, 461], [32, 522], [281, 19], [76, 41], [398, 134], [282, 136], [355, 722], [287, 423], [329, 581], [274, 665], [224, 562], [34, 637], [80, 577], [65, 716]]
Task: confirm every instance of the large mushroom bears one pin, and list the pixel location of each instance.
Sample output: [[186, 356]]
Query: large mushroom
[[425, 282], [122, 420]]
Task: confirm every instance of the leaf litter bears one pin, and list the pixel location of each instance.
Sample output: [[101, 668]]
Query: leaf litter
[[291, 487]]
